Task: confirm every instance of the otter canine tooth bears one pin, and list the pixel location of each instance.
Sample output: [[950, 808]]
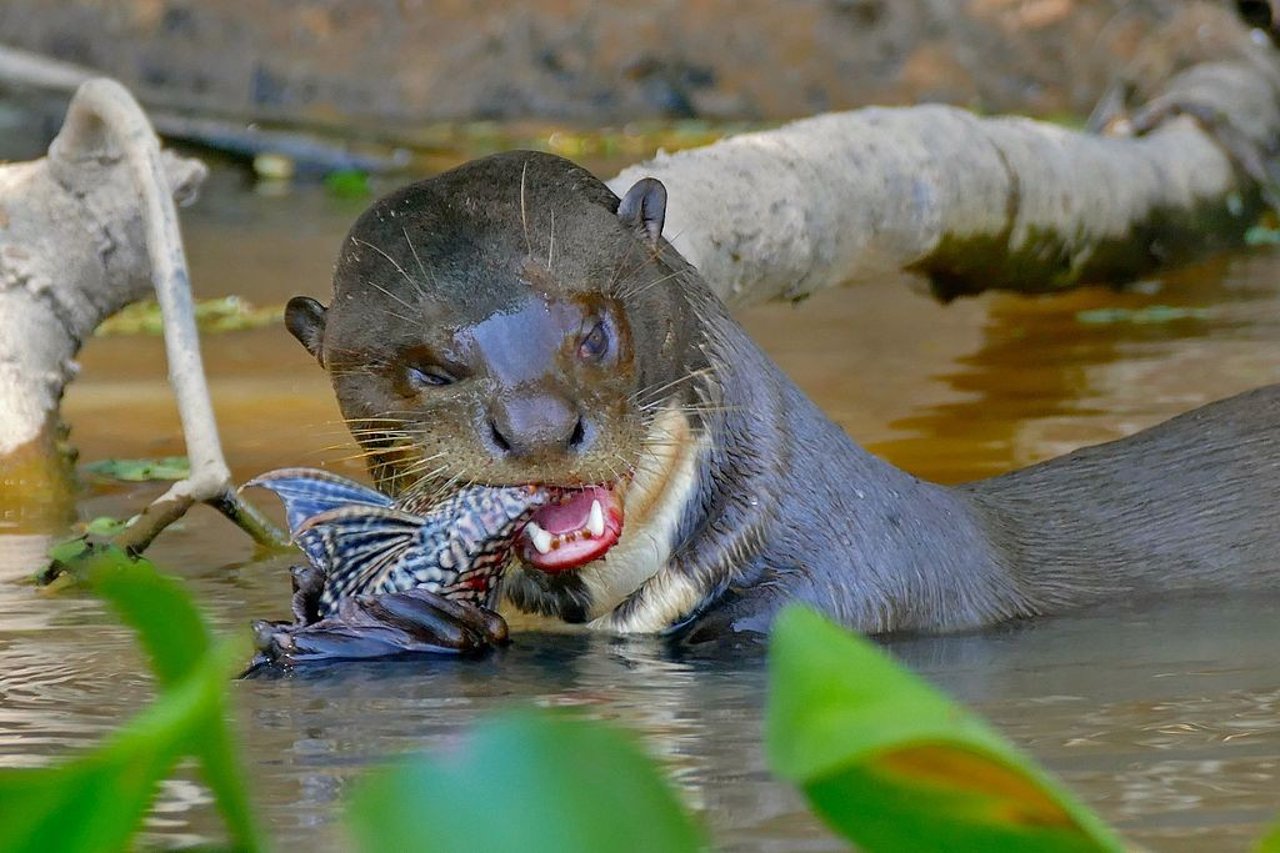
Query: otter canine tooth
[[595, 523], [541, 539]]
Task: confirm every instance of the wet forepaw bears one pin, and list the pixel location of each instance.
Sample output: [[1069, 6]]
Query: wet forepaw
[[308, 586], [389, 625]]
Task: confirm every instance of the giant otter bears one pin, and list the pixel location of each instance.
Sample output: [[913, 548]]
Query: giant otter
[[513, 322]]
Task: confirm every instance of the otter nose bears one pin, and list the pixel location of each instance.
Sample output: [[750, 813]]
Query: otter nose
[[544, 426]]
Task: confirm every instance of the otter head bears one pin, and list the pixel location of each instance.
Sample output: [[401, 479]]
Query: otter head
[[510, 322]]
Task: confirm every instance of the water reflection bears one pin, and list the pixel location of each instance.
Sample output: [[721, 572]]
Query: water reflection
[[1092, 366]]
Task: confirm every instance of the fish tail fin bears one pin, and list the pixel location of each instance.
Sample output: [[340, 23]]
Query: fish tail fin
[[307, 492]]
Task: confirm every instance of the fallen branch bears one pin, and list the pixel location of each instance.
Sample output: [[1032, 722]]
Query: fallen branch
[[976, 203], [308, 153], [89, 228]]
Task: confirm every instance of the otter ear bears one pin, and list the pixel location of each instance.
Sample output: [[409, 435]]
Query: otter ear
[[644, 208], [304, 317]]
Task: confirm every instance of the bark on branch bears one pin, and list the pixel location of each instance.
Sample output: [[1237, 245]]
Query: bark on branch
[[86, 231], [979, 203]]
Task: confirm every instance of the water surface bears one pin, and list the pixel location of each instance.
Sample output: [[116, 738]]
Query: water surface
[[1161, 714]]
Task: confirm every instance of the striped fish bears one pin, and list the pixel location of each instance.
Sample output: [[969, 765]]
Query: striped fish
[[367, 543]]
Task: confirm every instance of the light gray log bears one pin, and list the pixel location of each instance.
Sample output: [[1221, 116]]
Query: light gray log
[[975, 203]]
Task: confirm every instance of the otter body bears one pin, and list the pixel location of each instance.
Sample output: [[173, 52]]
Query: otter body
[[513, 322]]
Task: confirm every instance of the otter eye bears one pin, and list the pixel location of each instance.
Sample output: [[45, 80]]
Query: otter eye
[[430, 375], [596, 344]]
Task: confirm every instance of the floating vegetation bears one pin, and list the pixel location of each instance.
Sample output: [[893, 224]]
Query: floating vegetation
[[440, 146], [1262, 235], [1152, 315], [141, 470], [349, 183], [226, 314]]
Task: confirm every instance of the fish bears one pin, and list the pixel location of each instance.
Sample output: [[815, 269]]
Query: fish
[[368, 543]]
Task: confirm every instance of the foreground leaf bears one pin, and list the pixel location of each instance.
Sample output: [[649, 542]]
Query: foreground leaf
[[165, 618], [892, 764], [1270, 841], [526, 782], [178, 642], [99, 800]]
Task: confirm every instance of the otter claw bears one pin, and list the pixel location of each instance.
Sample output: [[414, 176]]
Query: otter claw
[[308, 586]]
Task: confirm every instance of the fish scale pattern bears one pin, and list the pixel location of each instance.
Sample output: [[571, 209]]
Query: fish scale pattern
[[366, 543]]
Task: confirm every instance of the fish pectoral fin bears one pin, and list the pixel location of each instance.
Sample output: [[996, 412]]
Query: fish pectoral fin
[[383, 518], [355, 544], [307, 492]]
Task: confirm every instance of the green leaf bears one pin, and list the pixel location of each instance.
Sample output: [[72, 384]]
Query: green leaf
[[526, 782], [892, 764], [1270, 842], [157, 608], [142, 470], [348, 183], [69, 551], [105, 526], [99, 800], [177, 640]]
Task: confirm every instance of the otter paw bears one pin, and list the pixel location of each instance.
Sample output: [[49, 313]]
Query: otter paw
[[372, 626]]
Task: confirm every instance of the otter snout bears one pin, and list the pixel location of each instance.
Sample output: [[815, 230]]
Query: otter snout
[[537, 427]]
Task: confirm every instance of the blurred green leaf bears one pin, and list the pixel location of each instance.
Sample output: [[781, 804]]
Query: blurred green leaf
[[157, 608], [141, 470], [99, 800], [172, 631], [892, 764], [1270, 842], [348, 183], [526, 782]]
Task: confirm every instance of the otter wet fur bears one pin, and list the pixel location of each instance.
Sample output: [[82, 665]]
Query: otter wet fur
[[513, 322]]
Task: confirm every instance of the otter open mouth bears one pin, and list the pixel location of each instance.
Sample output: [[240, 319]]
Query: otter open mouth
[[578, 526]]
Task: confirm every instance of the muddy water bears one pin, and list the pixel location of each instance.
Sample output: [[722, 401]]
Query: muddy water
[[1163, 716]]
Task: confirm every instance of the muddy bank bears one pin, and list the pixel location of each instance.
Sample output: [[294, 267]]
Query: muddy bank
[[412, 61]]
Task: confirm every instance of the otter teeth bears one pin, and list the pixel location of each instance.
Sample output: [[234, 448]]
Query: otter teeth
[[541, 539], [595, 524]]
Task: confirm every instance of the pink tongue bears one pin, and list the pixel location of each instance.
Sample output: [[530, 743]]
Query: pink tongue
[[574, 513], [567, 525]]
